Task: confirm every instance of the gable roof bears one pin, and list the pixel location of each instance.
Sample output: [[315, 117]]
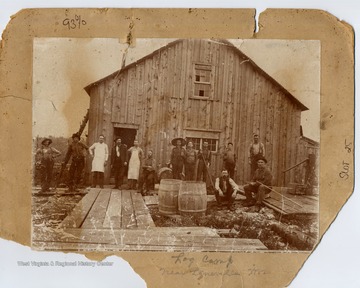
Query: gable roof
[[219, 41]]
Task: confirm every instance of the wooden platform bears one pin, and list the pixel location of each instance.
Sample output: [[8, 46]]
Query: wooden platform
[[114, 220], [287, 203]]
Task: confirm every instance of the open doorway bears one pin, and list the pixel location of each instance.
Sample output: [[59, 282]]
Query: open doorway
[[127, 135]]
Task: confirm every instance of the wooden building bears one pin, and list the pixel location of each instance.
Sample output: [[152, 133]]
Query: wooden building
[[200, 90]]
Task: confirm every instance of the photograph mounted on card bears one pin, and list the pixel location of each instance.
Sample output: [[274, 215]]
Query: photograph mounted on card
[[206, 194], [216, 151]]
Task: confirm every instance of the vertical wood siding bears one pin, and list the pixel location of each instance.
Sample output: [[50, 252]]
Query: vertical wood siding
[[157, 93]]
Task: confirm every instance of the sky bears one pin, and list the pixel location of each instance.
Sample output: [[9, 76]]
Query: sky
[[64, 66]]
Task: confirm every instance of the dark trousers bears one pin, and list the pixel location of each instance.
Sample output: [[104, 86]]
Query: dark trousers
[[119, 172], [253, 166], [47, 166], [147, 178], [230, 167], [259, 190], [75, 171], [177, 169], [190, 171], [97, 177], [202, 172], [229, 197]]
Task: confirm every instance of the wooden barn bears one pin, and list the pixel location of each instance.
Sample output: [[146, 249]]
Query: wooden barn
[[200, 90]]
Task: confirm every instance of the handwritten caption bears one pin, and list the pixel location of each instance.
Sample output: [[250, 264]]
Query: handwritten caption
[[345, 165], [208, 266], [74, 23]]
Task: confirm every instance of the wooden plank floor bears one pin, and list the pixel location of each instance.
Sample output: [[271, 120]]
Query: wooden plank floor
[[107, 219], [292, 204], [156, 239]]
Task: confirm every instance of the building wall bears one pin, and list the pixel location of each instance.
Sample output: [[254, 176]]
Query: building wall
[[157, 95]]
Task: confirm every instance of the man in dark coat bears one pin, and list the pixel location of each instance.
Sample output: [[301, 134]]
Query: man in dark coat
[[77, 151], [119, 162], [147, 176], [204, 157], [225, 189], [177, 157], [260, 184]]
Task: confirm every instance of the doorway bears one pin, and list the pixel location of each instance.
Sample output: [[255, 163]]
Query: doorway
[[127, 135]]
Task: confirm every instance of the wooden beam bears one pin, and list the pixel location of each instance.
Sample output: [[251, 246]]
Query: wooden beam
[[81, 210], [113, 213], [96, 216], [128, 220]]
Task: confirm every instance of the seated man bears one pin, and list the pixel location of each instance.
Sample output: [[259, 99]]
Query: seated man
[[260, 184], [148, 174], [225, 189]]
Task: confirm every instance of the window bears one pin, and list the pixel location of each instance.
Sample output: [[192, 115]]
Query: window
[[202, 83], [198, 142]]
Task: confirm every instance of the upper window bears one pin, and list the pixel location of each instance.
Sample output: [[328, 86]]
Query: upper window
[[202, 80]]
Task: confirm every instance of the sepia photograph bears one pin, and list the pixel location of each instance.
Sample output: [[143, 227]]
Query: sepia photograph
[[154, 144]]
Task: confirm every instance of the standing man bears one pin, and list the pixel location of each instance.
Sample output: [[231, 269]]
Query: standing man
[[204, 157], [225, 189], [76, 150], [177, 157], [99, 151], [135, 156], [148, 174], [190, 162], [118, 162], [256, 150], [260, 184], [230, 160], [45, 158]]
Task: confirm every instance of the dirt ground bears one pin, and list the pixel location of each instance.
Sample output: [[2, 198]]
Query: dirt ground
[[276, 232], [50, 210]]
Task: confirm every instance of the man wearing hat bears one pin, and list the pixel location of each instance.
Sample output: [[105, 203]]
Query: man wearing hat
[[118, 162], [45, 156], [77, 150], [262, 178], [177, 157]]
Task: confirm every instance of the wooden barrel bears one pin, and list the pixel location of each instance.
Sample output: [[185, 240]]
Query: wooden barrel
[[164, 173], [168, 196], [192, 198]]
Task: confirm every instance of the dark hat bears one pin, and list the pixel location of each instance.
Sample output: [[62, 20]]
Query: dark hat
[[117, 138], [183, 142], [75, 135], [261, 158], [46, 139]]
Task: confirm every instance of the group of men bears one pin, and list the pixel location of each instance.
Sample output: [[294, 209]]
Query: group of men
[[182, 159], [261, 178], [141, 171], [123, 160]]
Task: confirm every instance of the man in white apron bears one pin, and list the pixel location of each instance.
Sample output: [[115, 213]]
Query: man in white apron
[[99, 152], [135, 156]]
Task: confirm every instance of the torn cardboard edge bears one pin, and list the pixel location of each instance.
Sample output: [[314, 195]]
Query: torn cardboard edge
[[337, 62]]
